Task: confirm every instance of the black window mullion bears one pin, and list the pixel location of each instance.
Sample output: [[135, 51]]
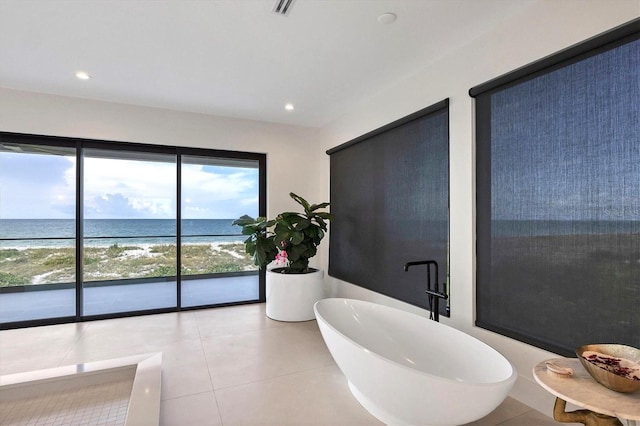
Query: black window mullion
[[179, 231], [262, 208], [79, 230]]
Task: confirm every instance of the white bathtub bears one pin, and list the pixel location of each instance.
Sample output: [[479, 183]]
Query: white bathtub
[[407, 369]]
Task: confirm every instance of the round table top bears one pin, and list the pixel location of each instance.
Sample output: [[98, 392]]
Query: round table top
[[582, 390]]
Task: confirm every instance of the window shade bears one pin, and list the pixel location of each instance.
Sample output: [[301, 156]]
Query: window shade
[[558, 198], [390, 199]]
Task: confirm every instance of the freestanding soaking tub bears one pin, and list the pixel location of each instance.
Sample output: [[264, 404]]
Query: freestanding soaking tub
[[407, 369]]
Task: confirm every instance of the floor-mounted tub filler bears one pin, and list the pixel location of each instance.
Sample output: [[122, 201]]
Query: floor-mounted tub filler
[[406, 369], [121, 391]]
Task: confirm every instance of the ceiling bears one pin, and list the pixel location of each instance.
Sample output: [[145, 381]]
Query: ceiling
[[233, 58]]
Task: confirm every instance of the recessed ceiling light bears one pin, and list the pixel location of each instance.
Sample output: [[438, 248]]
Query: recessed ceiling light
[[288, 107], [387, 18], [83, 75]]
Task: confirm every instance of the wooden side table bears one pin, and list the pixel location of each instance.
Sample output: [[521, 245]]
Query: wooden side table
[[602, 406]]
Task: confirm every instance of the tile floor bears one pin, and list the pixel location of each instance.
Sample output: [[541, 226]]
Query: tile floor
[[224, 366]]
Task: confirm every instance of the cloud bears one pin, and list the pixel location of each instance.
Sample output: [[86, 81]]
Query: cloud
[[218, 192], [110, 206], [127, 189], [43, 186]]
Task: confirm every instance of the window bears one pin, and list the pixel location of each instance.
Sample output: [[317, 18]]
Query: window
[[91, 229], [558, 197], [209, 244], [390, 199], [129, 231], [37, 230]]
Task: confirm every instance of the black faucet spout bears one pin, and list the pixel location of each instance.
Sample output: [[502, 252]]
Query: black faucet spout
[[434, 294], [420, 262]]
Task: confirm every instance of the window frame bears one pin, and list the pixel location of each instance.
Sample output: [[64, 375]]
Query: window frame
[[120, 147]]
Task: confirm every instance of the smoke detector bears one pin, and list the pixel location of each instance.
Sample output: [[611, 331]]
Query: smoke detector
[[283, 7]]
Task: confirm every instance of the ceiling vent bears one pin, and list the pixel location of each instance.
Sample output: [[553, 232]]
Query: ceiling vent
[[283, 7]]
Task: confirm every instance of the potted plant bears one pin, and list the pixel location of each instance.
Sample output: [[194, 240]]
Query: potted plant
[[289, 241]]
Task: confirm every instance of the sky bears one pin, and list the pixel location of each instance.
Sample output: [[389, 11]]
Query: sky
[[36, 186]]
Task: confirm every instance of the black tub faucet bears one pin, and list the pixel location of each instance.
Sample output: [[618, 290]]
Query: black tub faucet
[[434, 294]]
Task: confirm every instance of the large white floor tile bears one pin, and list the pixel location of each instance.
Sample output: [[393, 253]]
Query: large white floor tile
[[246, 357], [184, 370], [131, 336], [192, 410], [319, 397], [142, 330], [36, 348], [233, 319], [509, 409], [532, 418]]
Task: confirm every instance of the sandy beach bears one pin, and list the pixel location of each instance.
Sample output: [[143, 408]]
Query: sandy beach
[[47, 265]]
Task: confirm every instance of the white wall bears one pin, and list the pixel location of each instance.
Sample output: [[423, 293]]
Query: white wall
[[285, 146], [546, 27]]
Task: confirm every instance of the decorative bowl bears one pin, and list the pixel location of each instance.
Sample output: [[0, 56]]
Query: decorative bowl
[[607, 378]]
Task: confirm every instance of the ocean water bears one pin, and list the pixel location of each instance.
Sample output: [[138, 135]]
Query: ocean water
[[526, 228], [21, 233]]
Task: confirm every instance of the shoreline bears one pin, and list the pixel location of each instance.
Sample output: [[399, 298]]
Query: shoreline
[[118, 243]]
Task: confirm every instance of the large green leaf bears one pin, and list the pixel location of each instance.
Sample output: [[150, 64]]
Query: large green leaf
[[324, 215], [301, 224], [265, 251], [315, 207], [300, 201], [297, 238], [300, 233]]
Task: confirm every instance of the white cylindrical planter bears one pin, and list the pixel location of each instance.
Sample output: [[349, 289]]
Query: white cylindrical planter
[[290, 297]]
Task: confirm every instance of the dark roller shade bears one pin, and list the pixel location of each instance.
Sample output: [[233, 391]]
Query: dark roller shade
[[390, 199], [558, 197]]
